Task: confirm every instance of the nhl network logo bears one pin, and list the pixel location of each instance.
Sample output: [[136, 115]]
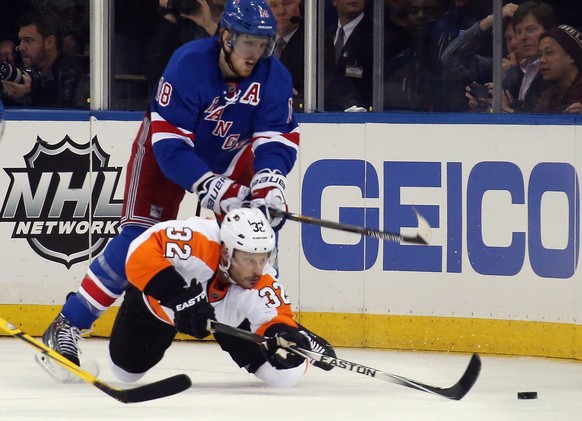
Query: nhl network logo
[[62, 202]]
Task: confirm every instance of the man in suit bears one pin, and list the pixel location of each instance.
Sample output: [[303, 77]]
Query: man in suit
[[289, 46], [348, 58]]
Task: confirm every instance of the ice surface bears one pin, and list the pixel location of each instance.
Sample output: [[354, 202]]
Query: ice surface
[[222, 391]]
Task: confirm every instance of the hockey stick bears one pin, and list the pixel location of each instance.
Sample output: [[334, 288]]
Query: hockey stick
[[455, 392], [160, 389], [422, 235]]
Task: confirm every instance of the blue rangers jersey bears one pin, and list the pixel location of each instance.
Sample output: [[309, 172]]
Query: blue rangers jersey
[[200, 124]]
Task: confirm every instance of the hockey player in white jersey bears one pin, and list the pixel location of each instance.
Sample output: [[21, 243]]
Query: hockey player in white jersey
[[183, 273]]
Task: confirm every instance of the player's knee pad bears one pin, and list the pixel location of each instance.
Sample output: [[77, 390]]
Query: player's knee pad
[[123, 375], [281, 378], [138, 339]]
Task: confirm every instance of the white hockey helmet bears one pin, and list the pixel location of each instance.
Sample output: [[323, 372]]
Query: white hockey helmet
[[247, 229]]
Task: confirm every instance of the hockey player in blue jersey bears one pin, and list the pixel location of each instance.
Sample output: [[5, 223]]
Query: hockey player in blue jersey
[[220, 125]]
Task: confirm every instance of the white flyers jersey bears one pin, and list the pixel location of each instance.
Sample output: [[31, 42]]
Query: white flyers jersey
[[193, 248]]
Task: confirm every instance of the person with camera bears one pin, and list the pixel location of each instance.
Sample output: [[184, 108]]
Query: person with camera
[[220, 125], [49, 78], [184, 21]]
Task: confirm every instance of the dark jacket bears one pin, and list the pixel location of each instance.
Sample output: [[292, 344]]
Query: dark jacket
[[64, 85], [349, 82], [513, 80], [167, 39], [415, 79], [554, 101], [293, 59]]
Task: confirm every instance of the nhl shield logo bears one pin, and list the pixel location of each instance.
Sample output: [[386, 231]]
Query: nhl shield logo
[[62, 201]]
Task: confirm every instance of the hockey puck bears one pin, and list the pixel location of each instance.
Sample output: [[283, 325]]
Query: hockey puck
[[527, 395]]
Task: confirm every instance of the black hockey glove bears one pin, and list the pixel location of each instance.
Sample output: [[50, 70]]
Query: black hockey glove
[[191, 310], [279, 336]]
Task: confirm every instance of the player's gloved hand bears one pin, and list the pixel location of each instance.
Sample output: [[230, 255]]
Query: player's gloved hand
[[267, 188], [220, 194], [191, 310], [281, 336]]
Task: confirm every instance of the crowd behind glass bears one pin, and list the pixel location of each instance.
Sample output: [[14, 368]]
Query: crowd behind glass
[[432, 55]]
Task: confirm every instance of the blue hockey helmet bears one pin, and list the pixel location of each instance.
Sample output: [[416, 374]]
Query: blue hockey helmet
[[252, 17]]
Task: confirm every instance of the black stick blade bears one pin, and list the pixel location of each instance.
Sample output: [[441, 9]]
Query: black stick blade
[[460, 389], [160, 389]]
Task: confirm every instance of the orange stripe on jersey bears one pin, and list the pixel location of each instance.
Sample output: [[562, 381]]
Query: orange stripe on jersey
[[215, 294], [146, 261], [206, 250], [157, 309]]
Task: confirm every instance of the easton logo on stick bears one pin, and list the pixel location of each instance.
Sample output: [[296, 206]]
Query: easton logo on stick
[[62, 201]]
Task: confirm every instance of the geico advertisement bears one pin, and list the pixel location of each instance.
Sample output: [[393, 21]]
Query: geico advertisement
[[548, 193], [503, 203]]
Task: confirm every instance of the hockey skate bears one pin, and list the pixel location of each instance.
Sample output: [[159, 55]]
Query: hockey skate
[[319, 345], [63, 337]]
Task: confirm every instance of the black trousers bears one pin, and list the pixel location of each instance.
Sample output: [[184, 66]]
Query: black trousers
[[139, 340]]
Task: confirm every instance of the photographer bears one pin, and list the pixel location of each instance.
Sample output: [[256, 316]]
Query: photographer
[[50, 78], [184, 21]]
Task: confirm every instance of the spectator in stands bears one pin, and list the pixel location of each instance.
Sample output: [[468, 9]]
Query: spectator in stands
[[184, 21], [463, 63], [530, 20], [560, 51], [289, 46], [136, 23], [467, 12], [73, 16], [53, 79], [413, 79], [461, 57], [348, 59], [396, 38]]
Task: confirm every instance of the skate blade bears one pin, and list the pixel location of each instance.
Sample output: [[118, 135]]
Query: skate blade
[[61, 374]]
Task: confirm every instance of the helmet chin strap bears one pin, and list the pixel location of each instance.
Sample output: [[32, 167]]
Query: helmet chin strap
[[224, 269], [227, 57]]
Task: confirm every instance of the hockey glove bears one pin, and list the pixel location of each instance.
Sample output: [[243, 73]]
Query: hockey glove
[[220, 194], [267, 188], [279, 337], [191, 310], [319, 345]]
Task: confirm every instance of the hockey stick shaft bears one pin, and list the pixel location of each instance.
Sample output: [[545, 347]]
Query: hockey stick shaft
[[156, 390], [455, 392], [422, 236]]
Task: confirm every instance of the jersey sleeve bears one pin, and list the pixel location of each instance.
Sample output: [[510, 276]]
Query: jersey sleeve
[[174, 111], [191, 247], [146, 258], [276, 131], [266, 304]]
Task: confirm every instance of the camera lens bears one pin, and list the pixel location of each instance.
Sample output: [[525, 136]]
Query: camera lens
[[10, 73]]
